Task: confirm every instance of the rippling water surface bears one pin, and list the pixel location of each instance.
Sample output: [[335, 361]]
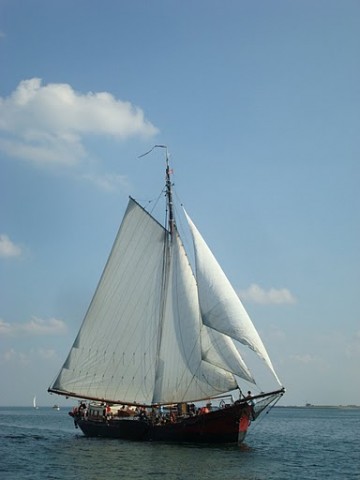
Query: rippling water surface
[[286, 444]]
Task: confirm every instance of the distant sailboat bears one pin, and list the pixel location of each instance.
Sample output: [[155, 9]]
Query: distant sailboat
[[34, 403], [159, 337]]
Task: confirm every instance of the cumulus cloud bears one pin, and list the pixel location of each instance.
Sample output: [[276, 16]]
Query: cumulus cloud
[[8, 248], [257, 294], [47, 124], [35, 326]]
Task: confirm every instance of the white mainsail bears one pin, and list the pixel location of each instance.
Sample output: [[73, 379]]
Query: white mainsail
[[115, 352], [153, 332]]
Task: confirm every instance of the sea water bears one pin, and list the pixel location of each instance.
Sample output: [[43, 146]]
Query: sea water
[[285, 444]]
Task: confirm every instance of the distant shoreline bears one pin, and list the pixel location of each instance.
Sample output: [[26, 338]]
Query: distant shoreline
[[308, 406]]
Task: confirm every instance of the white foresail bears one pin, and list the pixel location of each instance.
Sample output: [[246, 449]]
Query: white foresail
[[115, 352], [221, 307]]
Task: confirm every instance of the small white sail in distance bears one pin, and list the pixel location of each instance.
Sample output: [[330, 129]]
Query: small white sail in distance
[[221, 308]]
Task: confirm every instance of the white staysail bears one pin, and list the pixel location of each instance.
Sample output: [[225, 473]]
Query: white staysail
[[221, 307], [182, 375]]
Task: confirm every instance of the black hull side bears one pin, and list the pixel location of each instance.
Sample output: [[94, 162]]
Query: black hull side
[[125, 429], [228, 425]]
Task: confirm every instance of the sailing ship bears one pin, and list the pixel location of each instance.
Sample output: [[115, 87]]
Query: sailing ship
[[157, 356], [34, 403]]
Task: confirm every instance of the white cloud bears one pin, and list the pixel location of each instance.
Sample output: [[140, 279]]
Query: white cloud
[[26, 358], [5, 328], [305, 358], [35, 326], [276, 334], [45, 148], [309, 362], [352, 350], [47, 124], [12, 356], [46, 353], [108, 182], [257, 294], [8, 248]]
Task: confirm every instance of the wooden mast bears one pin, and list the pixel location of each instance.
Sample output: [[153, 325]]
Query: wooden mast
[[168, 186], [169, 193]]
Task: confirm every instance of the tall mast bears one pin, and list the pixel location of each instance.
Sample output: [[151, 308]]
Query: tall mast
[[169, 201], [169, 194]]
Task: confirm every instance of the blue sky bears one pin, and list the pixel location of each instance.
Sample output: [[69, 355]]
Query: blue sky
[[259, 105]]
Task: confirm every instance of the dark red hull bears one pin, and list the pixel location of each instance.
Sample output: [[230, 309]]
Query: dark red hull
[[227, 425]]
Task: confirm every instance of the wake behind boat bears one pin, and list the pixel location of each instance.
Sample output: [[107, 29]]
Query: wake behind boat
[[159, 346]]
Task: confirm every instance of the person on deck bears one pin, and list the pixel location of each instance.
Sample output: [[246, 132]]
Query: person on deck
[[249, 398]]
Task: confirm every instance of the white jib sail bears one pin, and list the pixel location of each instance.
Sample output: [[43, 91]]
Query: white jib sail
[[219, 349], [221, 307]]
